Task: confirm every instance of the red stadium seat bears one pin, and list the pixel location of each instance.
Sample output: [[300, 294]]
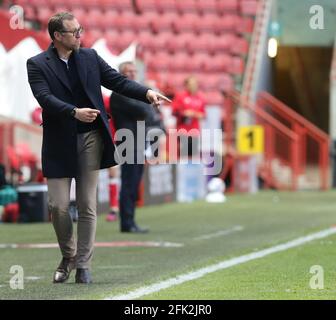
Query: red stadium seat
[[91, 36], [228, 22], [95, 12], [23, 3], [73, 4], [206, 6], [206, 23], [79, 13], [216, 81], [111, 13], [158, 62], [237, 66], [123, 21], [90, 4], [43, 15], [245, 25], [29, 13], [106, 19], [180, 42], [145, 39], [160, 41], [93, 19], [61, 8], [209, 81], [226, 83], [179, 61], [248, 7], [186, 6], [147, 5], [125, 39], [227, 6], [163, 22], [167, 6], [211, 42], [143, 21], [112, 38], [241, 46], [187, 22], [39, 3], [224, 42], [213, 97], [198, 62], [203, 43], [119, 5], [219, 63], [176, 80]]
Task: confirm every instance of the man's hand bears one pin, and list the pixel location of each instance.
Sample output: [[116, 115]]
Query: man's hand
[[86, 114], [155, 98]]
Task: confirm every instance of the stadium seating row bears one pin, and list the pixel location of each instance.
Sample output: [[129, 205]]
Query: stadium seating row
[[199, 62], [187, 42], [207, 82], [150, 21], [245, 7]]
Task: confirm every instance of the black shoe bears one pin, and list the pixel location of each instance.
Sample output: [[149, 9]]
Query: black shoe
[[135, 229], [64, 269], [83, 276]]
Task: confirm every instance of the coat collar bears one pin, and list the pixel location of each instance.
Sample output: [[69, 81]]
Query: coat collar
[[51, 57]]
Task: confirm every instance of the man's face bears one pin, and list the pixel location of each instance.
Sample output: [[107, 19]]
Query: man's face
[[70, 35], [129, 71], [192, 85]]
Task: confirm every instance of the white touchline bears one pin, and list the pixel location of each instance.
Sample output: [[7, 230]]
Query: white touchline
[[219, 233], [221, 265]]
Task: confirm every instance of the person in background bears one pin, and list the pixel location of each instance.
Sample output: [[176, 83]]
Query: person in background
[[126, 113], [188, 107]]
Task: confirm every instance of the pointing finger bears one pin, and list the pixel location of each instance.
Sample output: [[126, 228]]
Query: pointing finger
[[164, 98]]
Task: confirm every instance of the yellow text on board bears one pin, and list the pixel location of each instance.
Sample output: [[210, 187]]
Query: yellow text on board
[[250, 140]]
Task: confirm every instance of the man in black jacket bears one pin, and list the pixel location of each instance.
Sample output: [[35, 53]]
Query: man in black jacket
[[132, 115], [66, 81]]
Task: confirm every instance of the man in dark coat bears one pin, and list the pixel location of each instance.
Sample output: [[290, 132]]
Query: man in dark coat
[[66, 81]]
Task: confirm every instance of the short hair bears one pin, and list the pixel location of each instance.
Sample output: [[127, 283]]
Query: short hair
[[55, 23], [188, 78], [124, 64]]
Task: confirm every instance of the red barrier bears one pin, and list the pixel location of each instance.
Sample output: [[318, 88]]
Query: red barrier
[[289, 140], [20, 145], [313, 144]]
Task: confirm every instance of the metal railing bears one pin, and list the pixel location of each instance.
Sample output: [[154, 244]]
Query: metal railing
[[296, 152]]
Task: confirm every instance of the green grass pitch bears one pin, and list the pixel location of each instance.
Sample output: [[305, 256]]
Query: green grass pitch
[[266, 219]]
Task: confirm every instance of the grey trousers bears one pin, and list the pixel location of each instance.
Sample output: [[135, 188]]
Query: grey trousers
[[90, 147]]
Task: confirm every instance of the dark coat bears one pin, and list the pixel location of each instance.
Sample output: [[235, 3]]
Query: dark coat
[[51, 89]]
